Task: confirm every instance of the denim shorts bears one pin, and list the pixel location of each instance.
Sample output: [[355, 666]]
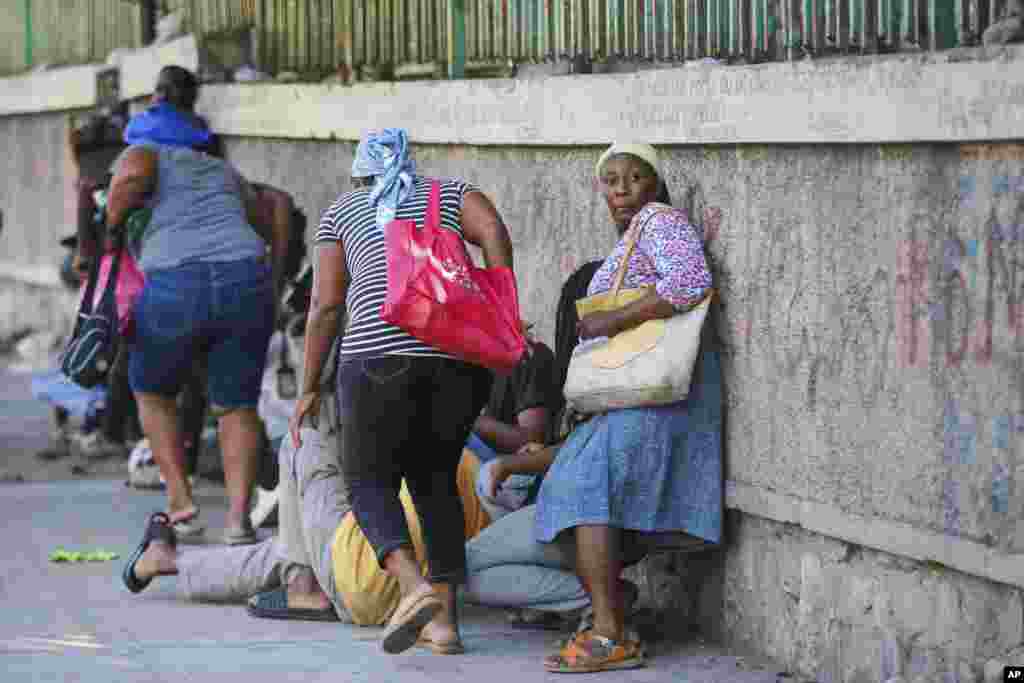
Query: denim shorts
[[224, 311]]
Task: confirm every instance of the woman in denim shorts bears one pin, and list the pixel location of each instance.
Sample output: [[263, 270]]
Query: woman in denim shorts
[[209, 291]]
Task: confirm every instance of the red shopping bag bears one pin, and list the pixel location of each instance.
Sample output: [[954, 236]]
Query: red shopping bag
[[436, 294], [130, 281]]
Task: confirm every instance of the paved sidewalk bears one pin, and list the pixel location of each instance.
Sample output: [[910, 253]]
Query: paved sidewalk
[[77, 622]]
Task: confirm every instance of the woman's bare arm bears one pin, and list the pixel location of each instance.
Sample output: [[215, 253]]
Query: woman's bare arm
[[330, 286], [134, 181], [483, 227]]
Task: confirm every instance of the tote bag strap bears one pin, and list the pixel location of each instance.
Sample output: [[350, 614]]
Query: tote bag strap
[[620, 274], [108, 300], [433, 218], [85, 307]]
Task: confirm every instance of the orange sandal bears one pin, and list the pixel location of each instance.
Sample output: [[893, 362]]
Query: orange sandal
[[590, 653]]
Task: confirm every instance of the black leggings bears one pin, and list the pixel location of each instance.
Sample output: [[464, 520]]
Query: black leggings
[[409, 417], [120, 420]]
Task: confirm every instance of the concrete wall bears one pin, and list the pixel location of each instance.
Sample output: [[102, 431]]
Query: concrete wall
[[37, 200], [872, 318], [837, 612], [872, 321]]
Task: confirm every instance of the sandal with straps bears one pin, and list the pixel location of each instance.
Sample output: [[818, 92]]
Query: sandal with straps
[[589, 653], [158, 528]]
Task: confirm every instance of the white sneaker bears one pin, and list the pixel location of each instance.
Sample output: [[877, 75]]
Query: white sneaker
[[264, 504]]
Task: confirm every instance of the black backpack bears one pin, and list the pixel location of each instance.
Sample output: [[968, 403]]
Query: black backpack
[[90, 354]]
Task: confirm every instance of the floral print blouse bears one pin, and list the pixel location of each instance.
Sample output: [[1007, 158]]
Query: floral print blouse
[[669, 255]]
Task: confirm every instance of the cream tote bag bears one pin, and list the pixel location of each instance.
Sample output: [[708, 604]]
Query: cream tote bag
[[648, 365]]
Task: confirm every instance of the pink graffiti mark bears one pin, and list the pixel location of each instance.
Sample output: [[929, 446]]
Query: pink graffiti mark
[[41, 167], [568, 264], [976, 344], [712, 222], [913, 333]]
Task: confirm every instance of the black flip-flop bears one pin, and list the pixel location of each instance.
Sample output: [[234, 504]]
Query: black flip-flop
[[274, 605], [158, 528]]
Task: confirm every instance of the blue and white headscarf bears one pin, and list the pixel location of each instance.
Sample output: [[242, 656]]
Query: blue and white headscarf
[[384, 154]]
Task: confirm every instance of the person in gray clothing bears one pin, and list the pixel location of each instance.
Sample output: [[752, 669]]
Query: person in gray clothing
[[209, 291]]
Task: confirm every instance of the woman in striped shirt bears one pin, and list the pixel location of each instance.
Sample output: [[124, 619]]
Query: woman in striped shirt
[[405, 407]]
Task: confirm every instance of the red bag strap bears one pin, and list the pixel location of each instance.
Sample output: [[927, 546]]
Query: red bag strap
[[434, 206]]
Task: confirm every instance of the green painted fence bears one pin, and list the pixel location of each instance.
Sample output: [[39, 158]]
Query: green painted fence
[[409, 38], [384, 39], [57, 32]]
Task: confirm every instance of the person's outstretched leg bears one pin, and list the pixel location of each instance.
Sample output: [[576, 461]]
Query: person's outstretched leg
[[219, 574]]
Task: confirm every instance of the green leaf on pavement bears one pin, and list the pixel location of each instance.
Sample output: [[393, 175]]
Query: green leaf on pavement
[[62, 555]]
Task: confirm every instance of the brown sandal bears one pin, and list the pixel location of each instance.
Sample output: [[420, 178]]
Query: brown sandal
[[590, 653], [412, 614], [452, 647]]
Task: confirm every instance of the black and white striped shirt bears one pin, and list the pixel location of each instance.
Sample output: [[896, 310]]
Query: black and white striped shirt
[[351, 220]]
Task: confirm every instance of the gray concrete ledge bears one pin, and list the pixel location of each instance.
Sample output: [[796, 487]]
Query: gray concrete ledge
[[967, 96], [956, 96], [40, 276], [55, 90], [878, 533], [74, 87]]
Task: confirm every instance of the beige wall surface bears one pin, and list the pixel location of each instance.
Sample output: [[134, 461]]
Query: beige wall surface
[[872, 307]]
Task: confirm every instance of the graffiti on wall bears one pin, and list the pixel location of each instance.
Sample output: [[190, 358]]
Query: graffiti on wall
[[976, 292]]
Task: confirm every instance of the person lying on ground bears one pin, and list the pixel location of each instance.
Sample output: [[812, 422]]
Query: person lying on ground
[[320, 566]]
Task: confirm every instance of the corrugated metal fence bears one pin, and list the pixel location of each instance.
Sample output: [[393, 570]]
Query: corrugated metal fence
[[417, 38], [35, 32], [214, 16], [409, 36]]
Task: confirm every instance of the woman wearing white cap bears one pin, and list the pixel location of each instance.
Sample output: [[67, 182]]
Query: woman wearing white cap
[[625, 475]]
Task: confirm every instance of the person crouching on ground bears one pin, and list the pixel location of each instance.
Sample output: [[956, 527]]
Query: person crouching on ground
[[626, 474]]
